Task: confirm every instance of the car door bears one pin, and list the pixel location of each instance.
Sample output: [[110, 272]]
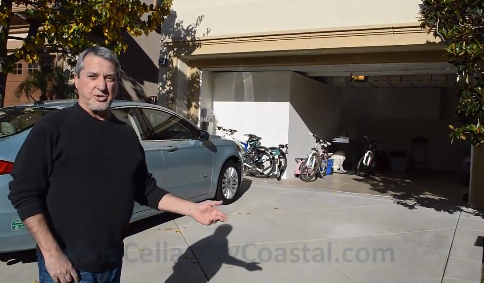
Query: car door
[[154, 157], [187, 160]]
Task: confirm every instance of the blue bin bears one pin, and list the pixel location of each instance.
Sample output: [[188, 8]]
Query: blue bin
[[329, 169]]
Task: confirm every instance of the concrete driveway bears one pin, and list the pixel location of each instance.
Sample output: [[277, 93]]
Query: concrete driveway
[[292, 234]]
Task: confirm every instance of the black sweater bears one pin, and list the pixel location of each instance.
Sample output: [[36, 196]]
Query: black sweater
[[84, 175]]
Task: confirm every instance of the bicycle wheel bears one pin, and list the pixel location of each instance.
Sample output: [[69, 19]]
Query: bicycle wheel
[[262, 162], [323, 167], [361, 169], [282, 165], [308, 172]]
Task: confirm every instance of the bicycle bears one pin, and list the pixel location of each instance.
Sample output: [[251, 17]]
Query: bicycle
[[316, 163], [251, 152], [366, 164], [280, 154], [228, 133]]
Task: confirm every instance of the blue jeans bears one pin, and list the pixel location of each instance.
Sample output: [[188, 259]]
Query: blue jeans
[[112, 276]]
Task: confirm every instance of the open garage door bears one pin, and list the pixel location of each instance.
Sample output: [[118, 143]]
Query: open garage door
[[407, 110], [406, 107]]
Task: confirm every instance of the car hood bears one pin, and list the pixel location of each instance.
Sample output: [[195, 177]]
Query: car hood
[[9, 146]]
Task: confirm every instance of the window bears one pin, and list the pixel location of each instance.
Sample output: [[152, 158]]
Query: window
[[17, 119], [18, 69], [165, 126], [32, 67], [128, 116]]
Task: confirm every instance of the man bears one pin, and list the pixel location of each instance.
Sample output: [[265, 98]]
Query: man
[[77, 176]]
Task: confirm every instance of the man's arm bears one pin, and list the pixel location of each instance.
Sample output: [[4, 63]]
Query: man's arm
[[32, 166], [177, 205], [39, 230]]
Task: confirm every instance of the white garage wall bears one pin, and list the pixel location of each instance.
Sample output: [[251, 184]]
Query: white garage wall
[[253, 103], [228, 17]]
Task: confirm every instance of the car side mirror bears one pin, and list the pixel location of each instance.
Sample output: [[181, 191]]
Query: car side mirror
[[203, 135]]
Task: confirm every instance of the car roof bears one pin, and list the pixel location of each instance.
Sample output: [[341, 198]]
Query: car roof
[[64, 103]]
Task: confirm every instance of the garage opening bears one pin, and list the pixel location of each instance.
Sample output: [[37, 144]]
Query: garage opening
[[408, 113], [407, 108]]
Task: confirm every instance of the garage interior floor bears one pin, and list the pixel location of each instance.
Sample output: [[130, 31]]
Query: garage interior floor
[[339, 229]]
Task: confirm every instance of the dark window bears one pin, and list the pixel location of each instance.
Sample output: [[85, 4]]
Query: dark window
[[18, 69], [32, 67], [165, 126], [18, 119]]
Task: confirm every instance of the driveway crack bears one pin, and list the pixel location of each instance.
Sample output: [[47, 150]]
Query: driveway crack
[[193, 253], [450, 249]]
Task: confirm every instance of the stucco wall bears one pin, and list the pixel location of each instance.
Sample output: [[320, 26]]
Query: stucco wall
[[225, 17]]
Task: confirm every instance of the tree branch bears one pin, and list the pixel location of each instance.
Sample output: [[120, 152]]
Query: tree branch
[[54, 49], [437, 30], [20, 16]]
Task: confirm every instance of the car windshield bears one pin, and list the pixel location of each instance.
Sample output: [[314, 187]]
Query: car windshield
[[14, 120]]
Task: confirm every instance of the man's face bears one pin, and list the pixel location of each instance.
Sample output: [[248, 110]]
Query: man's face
[[97, 83]]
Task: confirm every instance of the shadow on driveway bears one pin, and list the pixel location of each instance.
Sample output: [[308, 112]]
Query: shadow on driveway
[[210, 262], [435, 190]]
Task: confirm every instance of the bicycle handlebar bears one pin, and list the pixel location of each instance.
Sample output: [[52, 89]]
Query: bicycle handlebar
[[320, 141], [228, 131], [253, 136]]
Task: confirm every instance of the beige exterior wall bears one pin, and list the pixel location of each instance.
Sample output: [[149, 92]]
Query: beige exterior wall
[[228, 29], [229, 17]]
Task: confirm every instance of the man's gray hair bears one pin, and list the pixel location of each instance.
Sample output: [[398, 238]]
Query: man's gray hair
[[99, 51]]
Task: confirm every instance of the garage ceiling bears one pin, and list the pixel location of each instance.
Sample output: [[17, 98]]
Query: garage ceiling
[[393, 75], [355, 69], [393, 81]]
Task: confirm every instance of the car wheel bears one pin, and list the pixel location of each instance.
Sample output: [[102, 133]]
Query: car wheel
[[228, 182]]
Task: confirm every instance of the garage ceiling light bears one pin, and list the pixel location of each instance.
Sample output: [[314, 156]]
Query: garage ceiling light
[[359, 78]]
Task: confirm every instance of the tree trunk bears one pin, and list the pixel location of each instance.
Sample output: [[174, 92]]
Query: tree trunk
[[476, 188], [3, 83], [6, 5]]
